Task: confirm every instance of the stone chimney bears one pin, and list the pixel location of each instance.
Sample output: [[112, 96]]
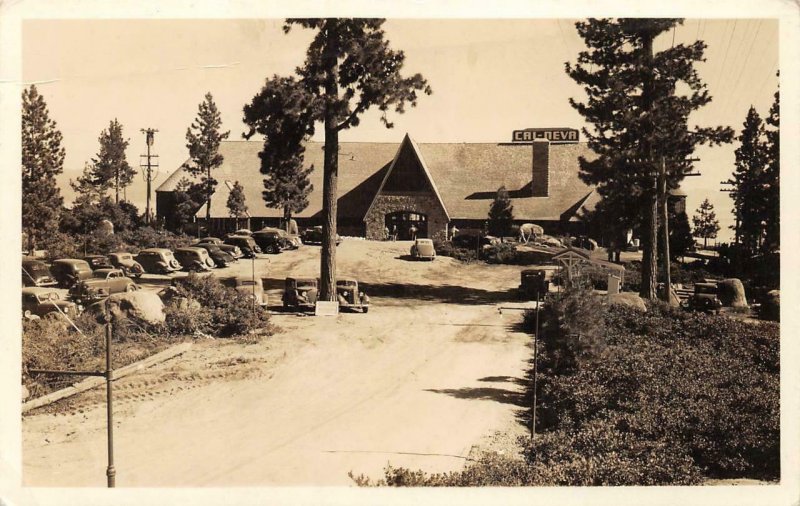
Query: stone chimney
[[540, 187]]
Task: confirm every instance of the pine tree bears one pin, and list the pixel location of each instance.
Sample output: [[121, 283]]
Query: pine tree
[[351, 68], [772, 175], [680, 235], [501, 214], [705, 222], [42, 161], [237, 206], [749, 195], [283, 112], [638, 117], [203, 138], [110, 169], [188, 199]]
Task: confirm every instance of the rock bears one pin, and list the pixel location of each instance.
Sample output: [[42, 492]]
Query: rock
[[186, 303], [731, 293], [105, 227], [140, 305], [771, 306], [25, 393], [628, 299]]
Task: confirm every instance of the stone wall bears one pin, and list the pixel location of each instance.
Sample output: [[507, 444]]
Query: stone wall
[[426, 204]]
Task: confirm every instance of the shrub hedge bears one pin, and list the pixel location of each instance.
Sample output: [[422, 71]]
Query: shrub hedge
[[52, 343], [223, 310]]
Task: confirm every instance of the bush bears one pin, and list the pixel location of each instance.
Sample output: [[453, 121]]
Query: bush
[[726, 416], [223, 311], [146, 237], [53, 343], [448, 249], [501, 253], [61, 245]]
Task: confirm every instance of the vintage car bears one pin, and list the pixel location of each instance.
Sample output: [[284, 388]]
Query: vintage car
[[41, 302], [103, 283], [313, 235], [423, 249], [69, 271], [125, 262], [300, 293], [98, 262], [533, 282], [704, 298], [349, 296], [251, 287], [270, 241], [158, 261], [290, 241], [246, 245], [220, 257], [243, 231], [194, 259], [230, 249], [36, 273]]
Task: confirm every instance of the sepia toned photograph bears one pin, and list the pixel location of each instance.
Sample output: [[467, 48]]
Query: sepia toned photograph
[[380, 252]]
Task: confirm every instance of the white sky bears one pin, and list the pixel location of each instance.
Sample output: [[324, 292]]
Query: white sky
[[489, 77]]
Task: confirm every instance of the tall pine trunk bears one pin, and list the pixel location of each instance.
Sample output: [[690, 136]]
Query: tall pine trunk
[[208, 197], [287, 216], [330, 177], [650, 248], [650, 217]]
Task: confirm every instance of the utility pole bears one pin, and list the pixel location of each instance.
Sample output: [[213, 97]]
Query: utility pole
[[148, 165], [662, 190], [661, 203], [732, 191]]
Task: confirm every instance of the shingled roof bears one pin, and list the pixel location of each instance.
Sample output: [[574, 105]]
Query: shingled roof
[[466, 176]]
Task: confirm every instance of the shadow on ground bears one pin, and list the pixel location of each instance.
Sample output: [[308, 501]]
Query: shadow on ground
[[433, 293], [501, 395], [438, 293]]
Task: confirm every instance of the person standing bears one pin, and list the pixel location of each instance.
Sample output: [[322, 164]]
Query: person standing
[[453, 232], [413, 232], [394, 232], [385, 233]]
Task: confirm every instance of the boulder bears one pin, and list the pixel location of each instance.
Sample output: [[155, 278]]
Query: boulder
[[771, 306], [628, 299], [141, 305], [731, 293]]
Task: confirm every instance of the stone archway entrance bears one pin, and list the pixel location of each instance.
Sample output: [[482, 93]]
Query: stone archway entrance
[[402, 221]]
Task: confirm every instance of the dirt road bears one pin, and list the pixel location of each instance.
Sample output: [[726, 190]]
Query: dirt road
[[426, 376]]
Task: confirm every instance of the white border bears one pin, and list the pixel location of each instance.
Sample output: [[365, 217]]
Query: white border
[[12, 13]]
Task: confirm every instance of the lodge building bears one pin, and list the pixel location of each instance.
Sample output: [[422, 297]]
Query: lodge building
[[433, 186]]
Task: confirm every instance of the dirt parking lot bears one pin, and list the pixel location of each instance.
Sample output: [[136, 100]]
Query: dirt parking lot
[[424, 380]]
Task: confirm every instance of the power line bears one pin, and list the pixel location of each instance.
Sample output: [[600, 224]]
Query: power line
[[727, 48], [737, 83]]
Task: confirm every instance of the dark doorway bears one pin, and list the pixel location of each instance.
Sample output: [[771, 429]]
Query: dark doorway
[[400, 222]]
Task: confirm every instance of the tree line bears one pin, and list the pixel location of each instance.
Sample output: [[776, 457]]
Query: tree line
[[638, 103]]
